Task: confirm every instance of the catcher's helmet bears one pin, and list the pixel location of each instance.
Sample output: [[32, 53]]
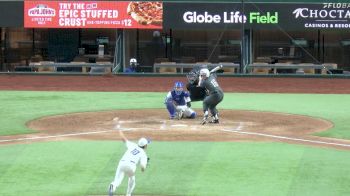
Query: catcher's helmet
[[178, 87]]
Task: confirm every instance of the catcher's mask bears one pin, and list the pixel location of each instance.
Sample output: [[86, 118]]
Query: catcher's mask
[[192, 77], [178, 88]]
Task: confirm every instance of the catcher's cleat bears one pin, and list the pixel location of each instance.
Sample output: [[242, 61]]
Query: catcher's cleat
[[110, 190], [180, 115]]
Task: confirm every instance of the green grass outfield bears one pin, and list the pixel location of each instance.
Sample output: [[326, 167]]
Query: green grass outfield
[[177, 168]]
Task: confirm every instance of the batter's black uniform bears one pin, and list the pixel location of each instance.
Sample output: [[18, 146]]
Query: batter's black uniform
[[215, 94]]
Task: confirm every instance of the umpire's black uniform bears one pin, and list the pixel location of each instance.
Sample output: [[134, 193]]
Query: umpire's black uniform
[[215, 96]]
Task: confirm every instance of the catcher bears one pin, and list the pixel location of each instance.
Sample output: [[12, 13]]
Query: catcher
[[178, 103], [214, 97], [127, 165]]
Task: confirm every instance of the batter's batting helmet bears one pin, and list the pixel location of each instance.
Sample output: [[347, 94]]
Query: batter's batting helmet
[[204, 72]]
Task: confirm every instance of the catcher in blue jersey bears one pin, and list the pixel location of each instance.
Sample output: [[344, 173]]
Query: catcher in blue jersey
[[178, 103]]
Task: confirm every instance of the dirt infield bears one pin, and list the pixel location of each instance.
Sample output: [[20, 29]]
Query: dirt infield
[[157, 124], [234, 126]]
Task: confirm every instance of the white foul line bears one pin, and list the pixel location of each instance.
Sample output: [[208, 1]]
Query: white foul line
[[285, 138], [54, 136], [239, 126]]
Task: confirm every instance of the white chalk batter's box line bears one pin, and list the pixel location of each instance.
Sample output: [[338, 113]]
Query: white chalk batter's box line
[[173, 123]]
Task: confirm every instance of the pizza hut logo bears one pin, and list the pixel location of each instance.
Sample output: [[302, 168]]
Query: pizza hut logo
[[41, 10]]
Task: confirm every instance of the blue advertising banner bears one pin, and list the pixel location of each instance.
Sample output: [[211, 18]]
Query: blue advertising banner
[[257, 16]]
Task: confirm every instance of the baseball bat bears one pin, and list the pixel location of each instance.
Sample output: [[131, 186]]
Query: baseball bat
[[216, 68]]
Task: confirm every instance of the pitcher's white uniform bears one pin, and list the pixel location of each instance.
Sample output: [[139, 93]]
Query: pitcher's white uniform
[[127, 165]]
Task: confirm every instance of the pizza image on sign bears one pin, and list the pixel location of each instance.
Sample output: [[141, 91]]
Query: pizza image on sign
[[146, 13]]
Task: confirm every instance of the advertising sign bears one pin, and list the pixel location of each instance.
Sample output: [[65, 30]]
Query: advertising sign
[[203, 15], [322, 16], [93, 14], [257, 16]]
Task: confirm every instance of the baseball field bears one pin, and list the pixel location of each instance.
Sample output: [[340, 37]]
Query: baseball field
[[277, 136]]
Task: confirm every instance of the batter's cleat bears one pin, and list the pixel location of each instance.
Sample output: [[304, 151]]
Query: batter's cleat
[[205, 120], [110, 190], [216, 121], [180, 115]]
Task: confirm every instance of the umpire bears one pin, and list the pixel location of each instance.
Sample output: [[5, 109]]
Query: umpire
[[216, 95], [197, 93]]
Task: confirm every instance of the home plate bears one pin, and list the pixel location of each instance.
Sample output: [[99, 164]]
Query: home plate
[[179, 125]]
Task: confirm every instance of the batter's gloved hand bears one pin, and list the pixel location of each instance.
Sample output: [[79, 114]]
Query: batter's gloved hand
[[148, 159], [189, 104]]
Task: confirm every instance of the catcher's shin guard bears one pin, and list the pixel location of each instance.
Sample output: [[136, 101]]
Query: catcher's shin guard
[[171, 109]]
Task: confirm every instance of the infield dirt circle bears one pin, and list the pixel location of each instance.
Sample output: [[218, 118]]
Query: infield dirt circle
[[235, 125]]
